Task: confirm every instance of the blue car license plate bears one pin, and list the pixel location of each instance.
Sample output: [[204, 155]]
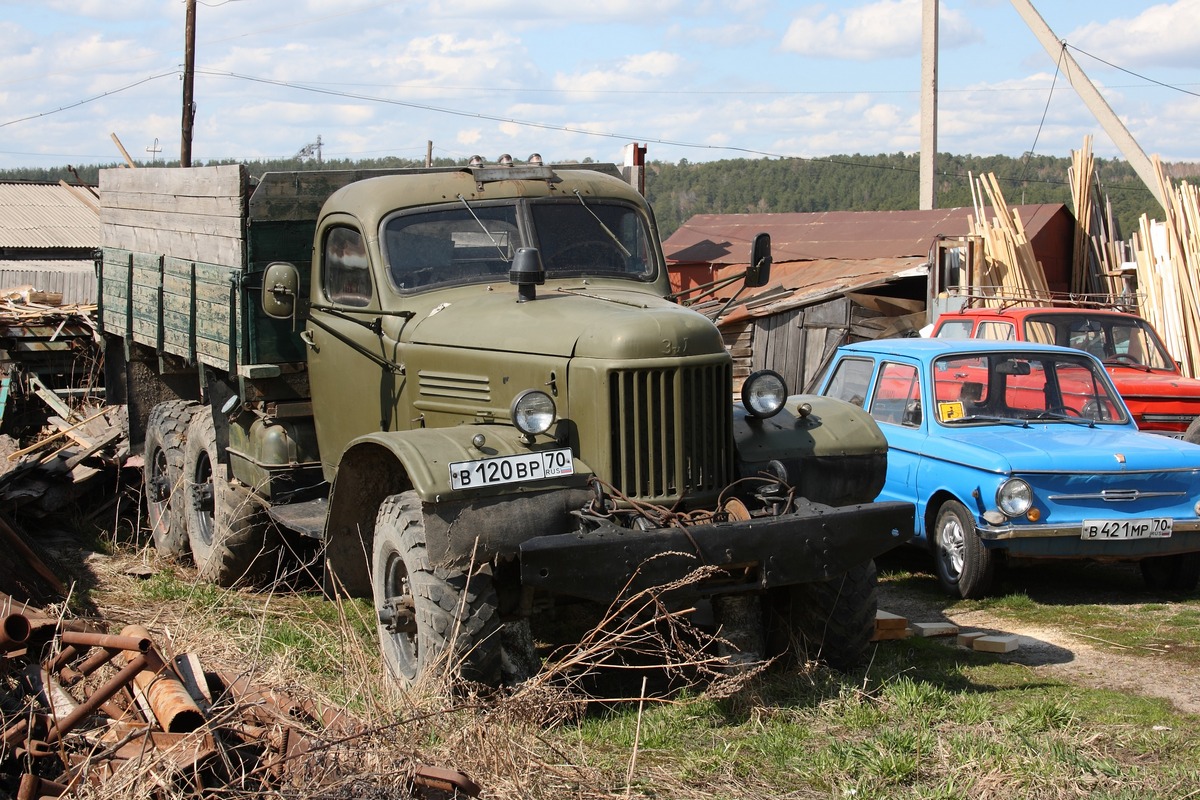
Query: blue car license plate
[[1150, 528]]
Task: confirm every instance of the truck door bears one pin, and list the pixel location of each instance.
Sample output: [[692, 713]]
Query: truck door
[[354, 385]]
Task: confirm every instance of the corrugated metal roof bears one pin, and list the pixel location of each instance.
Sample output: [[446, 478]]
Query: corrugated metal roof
[[802, 283], [41, 216], [725, 238]]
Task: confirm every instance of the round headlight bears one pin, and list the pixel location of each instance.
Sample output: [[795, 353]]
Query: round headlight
[[764, 393], [533, 412], [1014, 497]]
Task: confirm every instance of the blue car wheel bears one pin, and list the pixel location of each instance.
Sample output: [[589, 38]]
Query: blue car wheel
[[965, 567]]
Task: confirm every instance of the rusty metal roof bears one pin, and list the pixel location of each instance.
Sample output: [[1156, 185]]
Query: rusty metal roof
[[725, 238], [802, 283], [46, 216]]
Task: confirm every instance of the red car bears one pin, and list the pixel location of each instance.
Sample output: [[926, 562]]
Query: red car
[[1161, 399]]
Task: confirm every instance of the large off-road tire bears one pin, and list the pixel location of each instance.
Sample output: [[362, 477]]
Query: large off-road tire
[[162, 476], [433, 621], [830, 621], [231, 538], [1174, 573], [965, 567]]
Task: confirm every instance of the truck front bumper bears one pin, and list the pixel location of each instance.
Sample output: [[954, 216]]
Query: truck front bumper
[[814, 543]]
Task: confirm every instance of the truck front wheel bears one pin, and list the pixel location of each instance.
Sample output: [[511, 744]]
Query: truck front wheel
[[432, 620], [226, 526], [162, 476], [831, 621]]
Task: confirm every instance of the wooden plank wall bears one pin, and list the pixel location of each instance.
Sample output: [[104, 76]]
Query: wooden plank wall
[[195, 214], [174, 248]]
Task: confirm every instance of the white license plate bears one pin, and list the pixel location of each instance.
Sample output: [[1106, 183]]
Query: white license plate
[[511, 469], [1151, 528]]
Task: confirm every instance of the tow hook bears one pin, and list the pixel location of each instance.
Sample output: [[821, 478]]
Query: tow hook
[[399, 615]]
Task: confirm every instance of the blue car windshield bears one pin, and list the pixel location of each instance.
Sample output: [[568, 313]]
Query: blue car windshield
[[1000, 387]]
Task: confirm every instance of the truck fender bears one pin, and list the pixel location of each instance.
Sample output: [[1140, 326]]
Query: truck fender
[[378, 465], [829, 450]]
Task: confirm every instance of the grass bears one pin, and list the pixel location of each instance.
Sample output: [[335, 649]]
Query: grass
[[924, 720]]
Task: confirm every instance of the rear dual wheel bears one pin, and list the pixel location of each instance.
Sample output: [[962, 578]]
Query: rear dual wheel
[[232, 540], [162, 476]]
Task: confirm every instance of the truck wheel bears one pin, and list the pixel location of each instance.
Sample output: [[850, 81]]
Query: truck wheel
[[162, 476], [1192, 434], [226, 525], [1177, 573], [432, 620], [832, 620], [965, 567]]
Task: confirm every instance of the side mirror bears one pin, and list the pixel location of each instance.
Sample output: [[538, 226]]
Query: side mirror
[[759, 270], [280, 287]]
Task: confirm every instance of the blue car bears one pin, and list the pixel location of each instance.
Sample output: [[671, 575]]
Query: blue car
[[1023, 450]]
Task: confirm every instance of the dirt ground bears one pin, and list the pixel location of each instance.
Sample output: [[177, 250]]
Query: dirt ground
[[1073, 656]]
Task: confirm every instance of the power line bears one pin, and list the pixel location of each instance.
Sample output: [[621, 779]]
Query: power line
[[90, 99], [1131, 72]]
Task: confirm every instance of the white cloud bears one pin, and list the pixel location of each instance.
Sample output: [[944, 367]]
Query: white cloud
[[640, 70], [1165, 35], [882, 29]]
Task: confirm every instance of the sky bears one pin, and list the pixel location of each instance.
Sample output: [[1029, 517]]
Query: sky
[[690, 79]]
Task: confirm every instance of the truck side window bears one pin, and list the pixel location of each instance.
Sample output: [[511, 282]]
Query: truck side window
[[956, 329], [347, 275]]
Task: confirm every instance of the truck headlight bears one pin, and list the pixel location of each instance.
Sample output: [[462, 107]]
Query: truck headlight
[[1014, 497], [764, 393], [532, 412]]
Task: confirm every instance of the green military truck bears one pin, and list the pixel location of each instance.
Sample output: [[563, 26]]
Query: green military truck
[[469, 387]]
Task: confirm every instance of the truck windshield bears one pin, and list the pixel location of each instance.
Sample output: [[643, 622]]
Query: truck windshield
[[592, 238], [454, 245]]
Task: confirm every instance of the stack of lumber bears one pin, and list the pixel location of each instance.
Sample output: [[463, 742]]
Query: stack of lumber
[[1096, 268], [1008, 270], [1168, 257]]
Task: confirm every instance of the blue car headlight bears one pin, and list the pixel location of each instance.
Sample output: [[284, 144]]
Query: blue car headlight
[[1014, 497]]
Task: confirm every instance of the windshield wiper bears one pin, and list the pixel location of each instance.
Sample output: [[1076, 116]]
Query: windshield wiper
[[503, 252], [624, 251], [985, 418], [1058, 415]]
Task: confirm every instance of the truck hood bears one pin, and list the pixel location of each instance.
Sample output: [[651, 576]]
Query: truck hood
[[600, 323], [1067, 447]]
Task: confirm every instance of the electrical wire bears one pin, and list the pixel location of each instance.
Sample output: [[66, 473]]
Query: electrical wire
[[1131, 72], [90, 99]]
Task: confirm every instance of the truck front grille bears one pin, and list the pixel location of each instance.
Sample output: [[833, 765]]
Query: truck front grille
[[671, 431]]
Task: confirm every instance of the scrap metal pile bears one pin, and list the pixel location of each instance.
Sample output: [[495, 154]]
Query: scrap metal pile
[[85, 706], [55, 433]]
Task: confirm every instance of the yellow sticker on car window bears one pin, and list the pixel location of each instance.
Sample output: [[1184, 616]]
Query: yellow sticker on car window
[[950, 410]]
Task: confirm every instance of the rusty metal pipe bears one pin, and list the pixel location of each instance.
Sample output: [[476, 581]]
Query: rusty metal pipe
[[166, 695], [139, 644], [34, 788], [14, 632], [94, 662], [98, 698]]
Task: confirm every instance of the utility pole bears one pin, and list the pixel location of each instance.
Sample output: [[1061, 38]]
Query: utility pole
[[189, 68], [1116, 130], [929, 74]]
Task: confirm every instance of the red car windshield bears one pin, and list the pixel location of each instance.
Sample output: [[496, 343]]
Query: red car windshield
[[1110, 338]]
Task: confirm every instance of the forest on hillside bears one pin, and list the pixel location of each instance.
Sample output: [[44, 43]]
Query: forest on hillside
[[678, 191]]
